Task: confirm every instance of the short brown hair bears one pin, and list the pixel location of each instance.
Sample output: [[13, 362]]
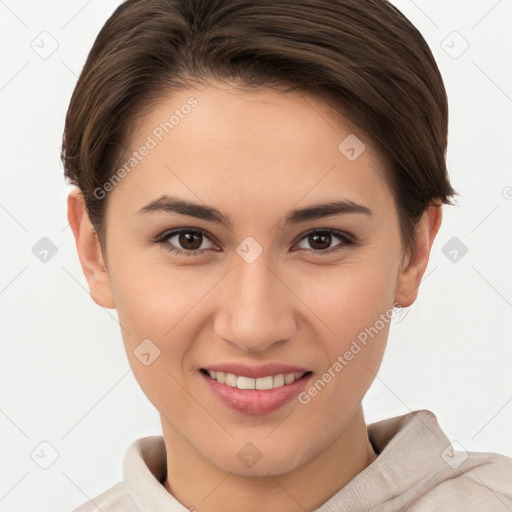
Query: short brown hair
[[363, 57]]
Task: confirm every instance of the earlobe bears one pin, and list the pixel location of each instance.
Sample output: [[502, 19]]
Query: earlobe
[[89, 250], [410, 276]]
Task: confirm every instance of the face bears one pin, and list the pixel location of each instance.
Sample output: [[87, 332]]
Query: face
[[253, 283]]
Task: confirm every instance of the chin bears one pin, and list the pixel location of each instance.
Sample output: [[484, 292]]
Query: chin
[[255, 460]]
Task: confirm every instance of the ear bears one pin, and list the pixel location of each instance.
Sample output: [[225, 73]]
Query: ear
[[416, 262], [89, 250]]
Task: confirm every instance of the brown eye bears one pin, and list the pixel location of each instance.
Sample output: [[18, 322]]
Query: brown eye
[[190, 241], [185, 241], [320, 241]]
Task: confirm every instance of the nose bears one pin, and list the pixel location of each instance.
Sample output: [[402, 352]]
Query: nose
[[256, 308]]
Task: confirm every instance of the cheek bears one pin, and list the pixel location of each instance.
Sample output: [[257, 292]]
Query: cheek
[[355, 305], [152, 297], [349, 297], [153, 307], [152, 304]]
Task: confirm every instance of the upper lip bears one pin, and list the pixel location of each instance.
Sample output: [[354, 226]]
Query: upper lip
[[255, 372]]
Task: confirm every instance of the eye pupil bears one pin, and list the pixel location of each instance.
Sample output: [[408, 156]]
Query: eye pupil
[[320, 237], [185, 238]]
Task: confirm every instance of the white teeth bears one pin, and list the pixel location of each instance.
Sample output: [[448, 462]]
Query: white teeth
[[289, 378], [245, 383], [231, 380], [278, 381], [263, 383]]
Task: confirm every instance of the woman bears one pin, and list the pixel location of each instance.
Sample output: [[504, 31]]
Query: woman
[[258, 187]]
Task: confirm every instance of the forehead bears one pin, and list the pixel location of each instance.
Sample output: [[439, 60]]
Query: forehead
[[249, 149]]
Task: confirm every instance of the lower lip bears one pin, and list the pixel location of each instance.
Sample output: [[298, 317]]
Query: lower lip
[[254, 401]]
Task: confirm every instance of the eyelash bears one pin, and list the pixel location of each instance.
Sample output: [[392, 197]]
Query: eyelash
[[346, 239]]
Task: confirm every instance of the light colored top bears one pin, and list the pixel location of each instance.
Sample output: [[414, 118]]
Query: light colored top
[[417, 469]]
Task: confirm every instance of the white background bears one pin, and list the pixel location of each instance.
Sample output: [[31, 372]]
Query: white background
[[65, 378]]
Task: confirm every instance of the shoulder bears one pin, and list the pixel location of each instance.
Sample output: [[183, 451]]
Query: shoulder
[[115, 499], [422, 471], [469, 482]]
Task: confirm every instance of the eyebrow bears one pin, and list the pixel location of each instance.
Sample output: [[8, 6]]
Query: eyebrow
[[169, 204]]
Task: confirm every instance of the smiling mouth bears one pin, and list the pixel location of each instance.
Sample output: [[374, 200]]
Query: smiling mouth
[[262, 383]]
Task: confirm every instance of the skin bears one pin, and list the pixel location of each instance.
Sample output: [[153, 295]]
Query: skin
[[254, 156]]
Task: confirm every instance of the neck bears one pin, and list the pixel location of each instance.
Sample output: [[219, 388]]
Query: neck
[[195, 482]]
